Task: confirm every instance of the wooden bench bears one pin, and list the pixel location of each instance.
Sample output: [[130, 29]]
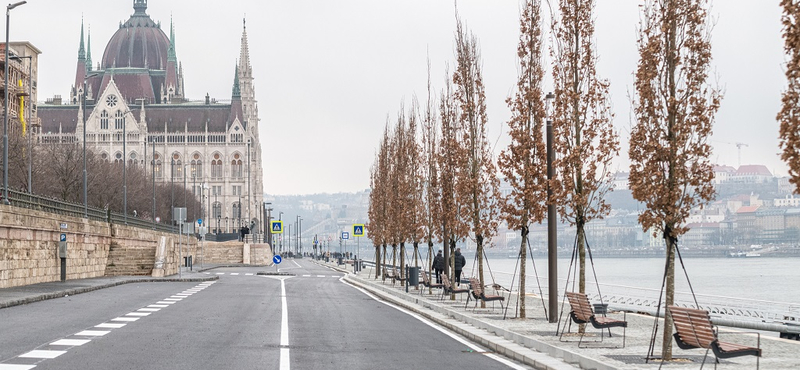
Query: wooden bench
[[397, 276], [387, 274], [582, 313], [426, 282], [478, 294], [448, 287], [693, 329]]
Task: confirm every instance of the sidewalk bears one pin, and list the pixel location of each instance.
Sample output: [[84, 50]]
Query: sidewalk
[[517, 338], [38, 292]]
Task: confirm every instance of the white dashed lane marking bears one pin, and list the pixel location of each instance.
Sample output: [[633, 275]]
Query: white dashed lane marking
[[109, 326], [115, 323], [93, 333], [69, 342], [42, 354]]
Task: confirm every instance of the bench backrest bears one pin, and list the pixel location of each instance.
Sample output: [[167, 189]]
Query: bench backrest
[[693, 326], [446, 282], [580, 306], [476, 287], [425, 279]]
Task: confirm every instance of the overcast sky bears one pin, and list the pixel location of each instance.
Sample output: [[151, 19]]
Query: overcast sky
[[328, 73]]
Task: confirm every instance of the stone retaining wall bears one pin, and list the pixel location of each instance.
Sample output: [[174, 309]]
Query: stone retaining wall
[[29, 248]]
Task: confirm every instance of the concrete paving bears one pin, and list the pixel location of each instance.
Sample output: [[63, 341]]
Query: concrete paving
[[534, 342]]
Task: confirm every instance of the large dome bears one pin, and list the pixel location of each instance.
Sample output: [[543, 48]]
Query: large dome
[[139, 43]]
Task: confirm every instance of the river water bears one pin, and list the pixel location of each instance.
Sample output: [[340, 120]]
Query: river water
[[716, 279]]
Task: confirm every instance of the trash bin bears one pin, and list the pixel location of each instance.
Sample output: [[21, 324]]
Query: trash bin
[[600, 308], [413, 276], [339, 261], [187, 261]]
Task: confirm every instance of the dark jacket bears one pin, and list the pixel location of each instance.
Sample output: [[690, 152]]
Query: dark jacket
[[460, 261], [438, 262]]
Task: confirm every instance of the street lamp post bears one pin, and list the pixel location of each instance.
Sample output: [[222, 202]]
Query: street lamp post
[[153, 170], [124, 165], [248, 182], [280, 236], [552, 251], [5, 108]]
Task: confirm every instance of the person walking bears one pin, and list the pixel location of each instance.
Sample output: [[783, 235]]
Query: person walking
[[438, 266], [459, 263]]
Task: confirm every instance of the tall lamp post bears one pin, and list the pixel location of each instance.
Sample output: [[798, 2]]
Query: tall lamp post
[[5, 108], [280, 236], [552, 251]]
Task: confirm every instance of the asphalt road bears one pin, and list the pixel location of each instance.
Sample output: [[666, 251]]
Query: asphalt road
[[241, 321]]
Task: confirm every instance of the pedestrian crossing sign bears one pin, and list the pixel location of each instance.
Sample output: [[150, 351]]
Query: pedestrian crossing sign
[[276, 227], [358, 230]]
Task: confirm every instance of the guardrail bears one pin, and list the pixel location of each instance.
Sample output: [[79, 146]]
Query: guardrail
[[56, 206]]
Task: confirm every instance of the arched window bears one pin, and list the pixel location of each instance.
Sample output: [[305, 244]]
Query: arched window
[[119, 120], [104, 157], [104, 120], [236, 167], [216, 210], [197, 166], [132, 159], [216, 166], [118, 158], [236, 211], [157, 166], [177, 167]]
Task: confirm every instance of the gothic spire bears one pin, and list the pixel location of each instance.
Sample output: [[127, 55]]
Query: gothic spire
[[81, 49], [89, 50], [171, 52], [244, 53], [237, 93]]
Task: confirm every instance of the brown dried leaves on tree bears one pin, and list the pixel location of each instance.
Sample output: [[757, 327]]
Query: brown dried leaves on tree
[[674, 108], [524, 162], [584, 139], [477, 186], [789, 116]]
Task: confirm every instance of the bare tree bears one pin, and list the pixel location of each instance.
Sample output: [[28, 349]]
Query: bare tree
[[451, 159], [674, 108], [585, 141], [789, 116], [378, 204], [478, 186], [430, 175], [523, 163]]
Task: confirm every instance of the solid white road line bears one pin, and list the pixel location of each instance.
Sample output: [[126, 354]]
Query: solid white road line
[[42, 354], [70, 342], [284, 362]]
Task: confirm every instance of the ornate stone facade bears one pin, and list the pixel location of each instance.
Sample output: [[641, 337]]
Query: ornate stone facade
[[136, 96]]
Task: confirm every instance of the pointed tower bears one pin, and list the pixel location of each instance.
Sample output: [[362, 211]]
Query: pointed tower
[[80, 72], [89, 50], [172, 67], [236, 101], [245, 75]]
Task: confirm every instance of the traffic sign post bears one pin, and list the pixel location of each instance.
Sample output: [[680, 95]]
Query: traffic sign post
[[62, 254], [276, 259], [358, 232], [276, 227]]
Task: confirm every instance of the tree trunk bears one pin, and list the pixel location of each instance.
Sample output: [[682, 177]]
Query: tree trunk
[[394, 256], [523, 253], [416, 260], [479, 251], [672, 244], [451, 267], [384, 260], [582, 263], [377, 261], [402, 260], [430, 267]]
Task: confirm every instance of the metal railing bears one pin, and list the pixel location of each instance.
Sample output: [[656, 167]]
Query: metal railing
[[56, 206]]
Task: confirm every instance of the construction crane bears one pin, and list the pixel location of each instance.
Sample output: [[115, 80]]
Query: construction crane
[[739, 146]]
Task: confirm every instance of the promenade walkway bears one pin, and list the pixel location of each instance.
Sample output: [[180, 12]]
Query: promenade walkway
[[519, 339]]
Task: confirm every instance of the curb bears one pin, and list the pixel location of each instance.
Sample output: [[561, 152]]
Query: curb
[[524, 349], [74, 291]]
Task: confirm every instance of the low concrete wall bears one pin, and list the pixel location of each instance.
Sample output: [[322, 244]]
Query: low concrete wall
[[234, 252]]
